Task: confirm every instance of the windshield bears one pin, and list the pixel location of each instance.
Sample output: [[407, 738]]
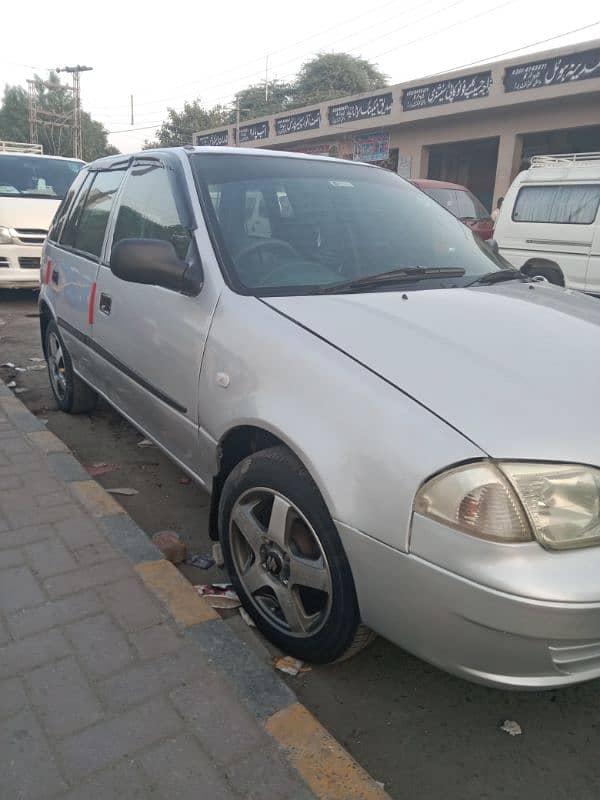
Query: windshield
[[294, 226], [36, 176], [459, 202]]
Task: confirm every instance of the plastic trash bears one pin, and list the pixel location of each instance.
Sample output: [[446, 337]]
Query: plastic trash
[[247, 618], [100, 469], [11, 385], [200, 560], [217, 554], [511, 727], [20, 390], [219, 595], [171, 546], [8, 364], [290, 665], [185, 480], [145, 443], [125, 491]]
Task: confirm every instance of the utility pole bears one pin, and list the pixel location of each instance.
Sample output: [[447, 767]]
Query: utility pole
[[77, 130], [267, 79], [131, 99], [33, 126]]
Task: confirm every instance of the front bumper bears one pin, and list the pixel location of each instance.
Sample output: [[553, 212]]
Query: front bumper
[[20, 266], [478, 632]]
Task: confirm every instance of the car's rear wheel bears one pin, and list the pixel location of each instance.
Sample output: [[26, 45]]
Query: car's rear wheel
[[286, 561], [70, 392]]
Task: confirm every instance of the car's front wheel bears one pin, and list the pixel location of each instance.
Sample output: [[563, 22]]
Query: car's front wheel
[[286, 560], [70, 392]]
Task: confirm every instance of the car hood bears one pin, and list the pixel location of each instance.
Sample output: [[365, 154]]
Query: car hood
[[27, 212], [514, 366]]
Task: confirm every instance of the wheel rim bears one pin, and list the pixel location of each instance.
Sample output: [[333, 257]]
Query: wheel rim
[[280, 562], [57, 366]]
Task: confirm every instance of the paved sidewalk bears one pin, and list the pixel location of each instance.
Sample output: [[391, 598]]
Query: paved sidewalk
[[116, 679]]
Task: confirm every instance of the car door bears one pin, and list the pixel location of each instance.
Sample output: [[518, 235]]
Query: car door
[[151, 339]]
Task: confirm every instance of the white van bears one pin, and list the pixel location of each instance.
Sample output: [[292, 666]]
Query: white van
[[549, 224], [32, 186]]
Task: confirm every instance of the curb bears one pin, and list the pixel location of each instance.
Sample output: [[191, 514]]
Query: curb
[[326, 767]]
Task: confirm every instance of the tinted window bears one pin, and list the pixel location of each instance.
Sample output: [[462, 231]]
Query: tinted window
[[462, 204], [303, 223], [148, 210], [36, 176], [91, 227], [563, 204], [64, 207], [68, 232]]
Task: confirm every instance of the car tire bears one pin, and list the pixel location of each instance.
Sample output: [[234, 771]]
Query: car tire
[[286, 560], [70, 392], [547, 272]]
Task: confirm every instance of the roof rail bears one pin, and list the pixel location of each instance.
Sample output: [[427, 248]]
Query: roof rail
[[20, 147], [566, 159]]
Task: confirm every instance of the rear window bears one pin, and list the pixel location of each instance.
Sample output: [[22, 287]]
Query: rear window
[[459, 202], [565, 204]]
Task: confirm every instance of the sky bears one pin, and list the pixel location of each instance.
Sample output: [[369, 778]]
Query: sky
[[163, 57]]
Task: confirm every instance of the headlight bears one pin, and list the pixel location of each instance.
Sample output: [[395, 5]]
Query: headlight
[[7, 235], [559, 504]]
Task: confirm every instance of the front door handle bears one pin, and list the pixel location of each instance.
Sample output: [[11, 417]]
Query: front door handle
[[105, 304]]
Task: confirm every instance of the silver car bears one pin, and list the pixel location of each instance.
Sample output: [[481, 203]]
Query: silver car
[[397, 428]]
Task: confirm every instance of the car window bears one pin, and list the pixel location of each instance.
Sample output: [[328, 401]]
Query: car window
[[256, 221], [561, 204], [65, 206], [469, 207], [91, 227], [148, 210], [74, 212], [36, 176]]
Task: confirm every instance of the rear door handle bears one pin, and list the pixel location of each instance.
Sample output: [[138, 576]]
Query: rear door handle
[[105, 304]]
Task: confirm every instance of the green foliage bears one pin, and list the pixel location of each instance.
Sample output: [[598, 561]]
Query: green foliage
[[331, 75], [180, 125], [57, 141], [254, 104]]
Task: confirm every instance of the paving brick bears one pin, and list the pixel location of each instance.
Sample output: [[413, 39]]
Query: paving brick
[[254, 782], [156, 641], [12, 696], [132, 604], [66, 467], [105, 742], [52, 613], [49, 558], [62, 697], [224, 727], [28, 768], [125, 781], [18, 657], [86, 577], [11, 558], [19, 589], [4, 634], [41, 481], [101, 646], [25, 421], [78, 531], [94, 554], [52, 499], [10, 482], [181, 771], [34, 515], [146, 680], [129, 538], [12, 447], [3, 523], [21, 536], [255, 681]]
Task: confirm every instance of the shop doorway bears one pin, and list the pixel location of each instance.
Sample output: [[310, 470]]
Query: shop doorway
[[573, 140], [472, 164]]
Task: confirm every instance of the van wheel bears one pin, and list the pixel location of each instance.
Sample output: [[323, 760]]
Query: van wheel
[[70, 392], [286, 560], [548, 272]]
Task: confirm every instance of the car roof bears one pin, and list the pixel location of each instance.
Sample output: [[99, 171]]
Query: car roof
[[42, 155], [428, 183]]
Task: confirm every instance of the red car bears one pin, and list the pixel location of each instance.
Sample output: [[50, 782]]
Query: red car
[[460, 202]]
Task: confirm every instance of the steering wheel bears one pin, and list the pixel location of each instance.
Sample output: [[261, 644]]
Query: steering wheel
[[266, 244]]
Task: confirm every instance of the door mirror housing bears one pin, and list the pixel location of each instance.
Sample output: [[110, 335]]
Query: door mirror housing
[[154, 262]]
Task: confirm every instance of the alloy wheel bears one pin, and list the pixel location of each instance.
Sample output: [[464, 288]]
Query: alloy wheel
[[57, 366]]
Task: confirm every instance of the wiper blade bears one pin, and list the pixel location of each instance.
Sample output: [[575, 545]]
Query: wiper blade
[[393, 276], [498, 276]]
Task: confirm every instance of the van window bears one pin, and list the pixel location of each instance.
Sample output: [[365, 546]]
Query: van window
[[86, 233], [561, 204], [148, 210]]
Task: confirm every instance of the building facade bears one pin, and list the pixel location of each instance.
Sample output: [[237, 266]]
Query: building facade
[[475, 126]]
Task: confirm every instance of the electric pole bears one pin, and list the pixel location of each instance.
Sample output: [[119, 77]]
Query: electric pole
[[267, 79], [77, 130]]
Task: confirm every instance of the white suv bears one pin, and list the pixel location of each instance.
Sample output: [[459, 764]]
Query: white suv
[[549, 224], [31, 188]]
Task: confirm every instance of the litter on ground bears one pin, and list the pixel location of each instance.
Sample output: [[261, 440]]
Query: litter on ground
[[184, 480], [36, 359], [247, 618], [217, 554], [290, 665], [219, 595], [20, 390], [11, 385], [8, 364], [511, 727], [171, 546], [200, 560], [125, 491], [100, 469], [145, 443]]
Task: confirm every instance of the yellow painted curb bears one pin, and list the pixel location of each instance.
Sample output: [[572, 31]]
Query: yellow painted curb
[[47, 442], [180, 597], [95, 499], [327, 768]]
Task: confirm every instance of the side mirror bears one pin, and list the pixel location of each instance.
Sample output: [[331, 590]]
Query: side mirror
[[154, 262]]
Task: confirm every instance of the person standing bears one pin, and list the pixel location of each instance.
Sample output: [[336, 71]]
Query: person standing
[[496, 211]]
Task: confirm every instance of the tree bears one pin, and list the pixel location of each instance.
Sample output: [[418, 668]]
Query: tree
[[180, 126], [254, 104], [57, 141], [331, 75]]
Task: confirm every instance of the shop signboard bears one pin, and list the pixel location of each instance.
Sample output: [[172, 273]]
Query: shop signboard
[[553, 71], [366, 108], [454, 90], [294, 123], [250, 133], [217, 139], [371, 147]]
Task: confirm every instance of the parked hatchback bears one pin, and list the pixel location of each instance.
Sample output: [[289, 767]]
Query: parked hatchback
[[349, 379], [460, 202]]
